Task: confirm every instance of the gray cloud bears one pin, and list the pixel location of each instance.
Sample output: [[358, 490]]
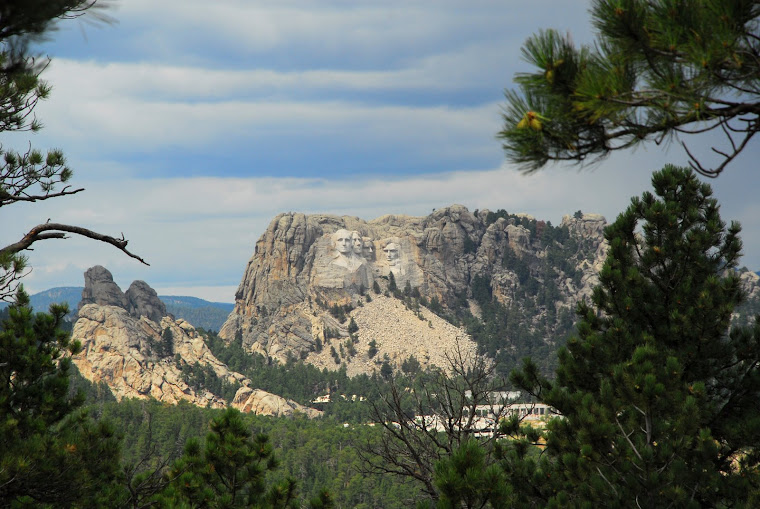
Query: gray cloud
[[199, 232], [380, 85]]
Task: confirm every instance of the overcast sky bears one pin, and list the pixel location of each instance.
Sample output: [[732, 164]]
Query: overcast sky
[[191, 124]]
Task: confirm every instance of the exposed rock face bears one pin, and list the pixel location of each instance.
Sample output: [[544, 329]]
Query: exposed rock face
[[264, 403], [305, 264], [139, 300], [140, 355], [397, 333], [120, 350], [142, 300], [750, 284], [589, 230], [100, 289]]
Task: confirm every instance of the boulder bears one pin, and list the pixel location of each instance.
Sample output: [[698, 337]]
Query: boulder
[[142, 300], [99, 288]]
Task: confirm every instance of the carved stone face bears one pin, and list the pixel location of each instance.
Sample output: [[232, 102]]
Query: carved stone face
[[391, 253], [356, 243], [342, 240], [368, 249]]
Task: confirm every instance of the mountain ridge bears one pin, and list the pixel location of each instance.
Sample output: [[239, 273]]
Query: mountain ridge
[[509, 282], [132, 344], [305, 266], [394, 293], [201, 313]]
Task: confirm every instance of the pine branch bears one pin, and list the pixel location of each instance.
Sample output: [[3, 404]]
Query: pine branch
[[6, 200]]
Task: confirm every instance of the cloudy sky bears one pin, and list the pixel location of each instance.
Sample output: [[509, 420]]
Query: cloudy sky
[[191, 124]]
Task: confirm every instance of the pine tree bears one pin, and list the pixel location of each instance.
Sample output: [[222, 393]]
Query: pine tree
[[386, 371], [166, 345], [230, 471], [659, 395], [392, 287], [657, 69], [408, 289], [465, 479], [49, 454]]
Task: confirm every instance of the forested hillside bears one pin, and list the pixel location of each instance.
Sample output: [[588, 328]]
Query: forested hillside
[[318, 454], [458, 359], [201, 313]]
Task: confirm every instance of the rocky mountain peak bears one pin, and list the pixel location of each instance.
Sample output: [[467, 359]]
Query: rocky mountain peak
[[139, 300], [305, 268], [139, 350], [586, 225], [100, 289], [142, 300]]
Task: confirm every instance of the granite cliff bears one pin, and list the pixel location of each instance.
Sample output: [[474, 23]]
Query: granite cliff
[[393, 292], [133, 345], [305, 267]]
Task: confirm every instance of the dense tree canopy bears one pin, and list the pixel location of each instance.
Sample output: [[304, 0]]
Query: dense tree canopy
[[658, 68], [229, 471], [659, 396], [49, 454]]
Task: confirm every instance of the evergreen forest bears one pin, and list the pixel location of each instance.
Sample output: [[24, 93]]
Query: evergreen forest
[[645, 395]]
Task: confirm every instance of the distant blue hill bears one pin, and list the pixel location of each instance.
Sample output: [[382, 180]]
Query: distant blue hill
[[201, 313], [193, 302], [41, 301]]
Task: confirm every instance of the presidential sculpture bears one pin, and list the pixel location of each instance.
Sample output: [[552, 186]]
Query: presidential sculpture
[[393, 258], [368, 249], [356, 243], [345, 250], [347, 259]]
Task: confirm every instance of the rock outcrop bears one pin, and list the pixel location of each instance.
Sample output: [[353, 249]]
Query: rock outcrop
[[390, 332], [139, 354], [588, 229], [305, 265], [142, 300], [750, 284], [99, 288], [139, 300], [264, 403]]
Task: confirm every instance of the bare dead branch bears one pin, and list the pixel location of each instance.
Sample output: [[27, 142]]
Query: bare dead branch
[[727, 158], [444, 407], [58, 231]]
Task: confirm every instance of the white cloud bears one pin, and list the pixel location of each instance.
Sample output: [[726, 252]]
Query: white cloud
[[236, 76], [389, 27], [199, 232], [450, 71], [97, 108]]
